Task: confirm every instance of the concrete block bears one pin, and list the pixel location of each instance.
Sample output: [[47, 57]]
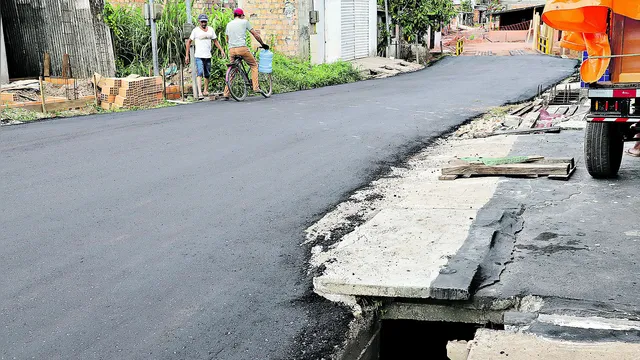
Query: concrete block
[[491, 345], [457, 350], [512, 121]]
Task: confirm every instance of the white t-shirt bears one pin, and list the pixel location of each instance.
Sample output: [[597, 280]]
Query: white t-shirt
[[203, 39], [237, 32]]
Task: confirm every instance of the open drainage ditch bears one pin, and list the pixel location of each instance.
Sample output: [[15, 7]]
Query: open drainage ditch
[[413, 339]]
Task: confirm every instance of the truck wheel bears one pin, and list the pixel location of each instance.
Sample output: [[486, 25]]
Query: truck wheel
[[603, 149]]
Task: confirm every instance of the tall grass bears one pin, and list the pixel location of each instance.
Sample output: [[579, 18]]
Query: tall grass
[[293, 74]]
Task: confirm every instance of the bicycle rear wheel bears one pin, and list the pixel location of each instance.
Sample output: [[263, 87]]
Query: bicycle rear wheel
[[237, 83], [265, 81]]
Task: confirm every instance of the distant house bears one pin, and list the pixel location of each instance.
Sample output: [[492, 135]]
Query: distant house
[[57, 27]]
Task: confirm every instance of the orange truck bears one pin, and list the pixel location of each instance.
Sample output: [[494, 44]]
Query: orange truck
[[609, 31]]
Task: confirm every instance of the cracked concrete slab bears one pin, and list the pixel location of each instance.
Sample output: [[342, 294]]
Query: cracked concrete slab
[[492, 345], [413, 232]]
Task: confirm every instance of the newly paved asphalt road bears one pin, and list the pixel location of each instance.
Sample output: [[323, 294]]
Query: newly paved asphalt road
[[175, 233]]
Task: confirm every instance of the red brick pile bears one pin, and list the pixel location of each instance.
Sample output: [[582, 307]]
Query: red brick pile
[[116, 93]]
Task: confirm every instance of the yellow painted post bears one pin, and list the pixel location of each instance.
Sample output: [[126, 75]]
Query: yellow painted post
[[551, 39], [536, 32], [459, 47]]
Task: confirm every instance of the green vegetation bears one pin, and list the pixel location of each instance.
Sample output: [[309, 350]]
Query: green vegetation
[[295, 74], [415, 17], [465, 6], [17, 114], [22, 115], [131, 35], [133, 49]]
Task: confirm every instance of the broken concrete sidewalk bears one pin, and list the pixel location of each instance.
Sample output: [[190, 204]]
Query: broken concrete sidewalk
[[491, 345], [379, 67], [418, 228]]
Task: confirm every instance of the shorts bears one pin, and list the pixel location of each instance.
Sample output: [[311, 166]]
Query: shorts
[[203, 66]]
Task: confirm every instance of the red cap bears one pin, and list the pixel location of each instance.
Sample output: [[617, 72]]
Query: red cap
[[238, 12]]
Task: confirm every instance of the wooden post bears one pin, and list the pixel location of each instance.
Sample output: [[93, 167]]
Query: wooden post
[[47, 64], [536, 31], [164, 86], [42, 96], [66, 66], [95, 88], [181, 82]]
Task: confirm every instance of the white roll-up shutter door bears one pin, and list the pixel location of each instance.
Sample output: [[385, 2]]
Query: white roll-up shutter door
[[348, 30], [362, 28]]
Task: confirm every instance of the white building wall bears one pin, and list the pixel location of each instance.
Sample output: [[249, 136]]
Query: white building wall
[[373, 28], [4, 70], [317, 38], [332, 30]]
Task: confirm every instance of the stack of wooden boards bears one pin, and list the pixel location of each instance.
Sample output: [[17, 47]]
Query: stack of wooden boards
[[526, 166], [133, 91]]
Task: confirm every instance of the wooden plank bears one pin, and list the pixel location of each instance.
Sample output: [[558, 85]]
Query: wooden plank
[[572, 110], [447, 177], [529, 120], [60, 106], [518, 109], [510, 169], [524, 110], [47, 64], [551, 130], [66, 66]]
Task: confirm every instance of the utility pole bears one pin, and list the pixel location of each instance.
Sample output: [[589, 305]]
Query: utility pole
[[192, 59], [154, 39], [386, 21]]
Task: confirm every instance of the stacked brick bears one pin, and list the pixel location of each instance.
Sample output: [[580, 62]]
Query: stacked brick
[[173, 92], [136, 92]]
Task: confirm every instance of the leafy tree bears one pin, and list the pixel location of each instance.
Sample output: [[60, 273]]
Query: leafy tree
[[416, 16], [465, 6], [494, 5]]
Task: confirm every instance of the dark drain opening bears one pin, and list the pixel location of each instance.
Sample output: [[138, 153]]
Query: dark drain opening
[[410, 339]]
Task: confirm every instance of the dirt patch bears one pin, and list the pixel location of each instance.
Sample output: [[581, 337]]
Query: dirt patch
[[82, 88]]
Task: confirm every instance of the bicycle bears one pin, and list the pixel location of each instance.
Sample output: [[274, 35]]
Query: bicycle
[[238, 79]]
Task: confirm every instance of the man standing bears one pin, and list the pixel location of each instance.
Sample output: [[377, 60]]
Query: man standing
[[203, 36], [236, 38]]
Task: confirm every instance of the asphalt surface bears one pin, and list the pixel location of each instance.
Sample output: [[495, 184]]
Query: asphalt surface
[[579, 247], [175, 233]]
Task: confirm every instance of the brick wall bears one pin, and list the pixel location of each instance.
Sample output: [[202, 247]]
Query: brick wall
[[277, 21]]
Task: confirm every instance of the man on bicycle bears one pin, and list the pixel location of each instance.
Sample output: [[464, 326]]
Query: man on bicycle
[[236, 38], [203, 36]]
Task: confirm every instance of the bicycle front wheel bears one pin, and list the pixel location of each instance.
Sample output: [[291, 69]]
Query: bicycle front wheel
[[266, 82], [237, 84]]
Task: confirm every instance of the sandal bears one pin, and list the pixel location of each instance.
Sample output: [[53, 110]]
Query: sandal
[[631, 153]]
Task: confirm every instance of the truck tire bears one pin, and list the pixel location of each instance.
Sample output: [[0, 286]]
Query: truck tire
[[603, 149]]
